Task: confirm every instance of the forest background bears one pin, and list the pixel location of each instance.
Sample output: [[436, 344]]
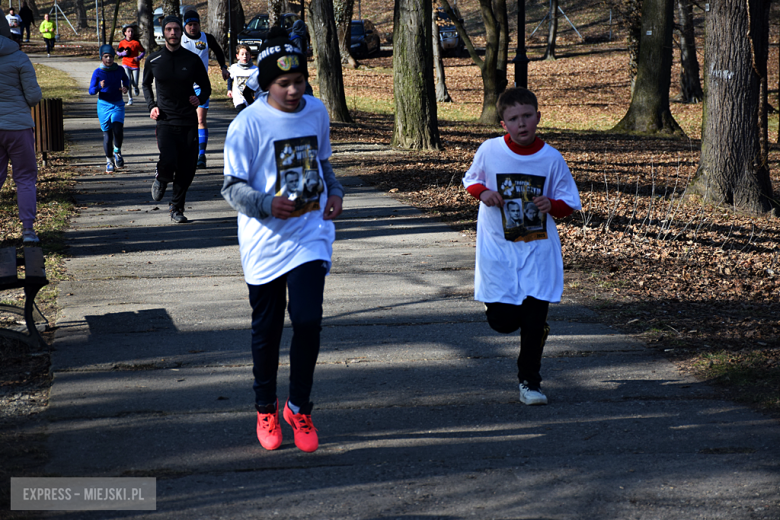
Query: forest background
[[700, 282]]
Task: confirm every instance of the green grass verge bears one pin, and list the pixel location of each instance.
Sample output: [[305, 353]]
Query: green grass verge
[[56, 83]]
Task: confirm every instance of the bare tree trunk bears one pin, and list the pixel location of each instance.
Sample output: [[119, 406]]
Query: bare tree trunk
[[649, 111], [36, 12], [342, 10], [276, 8], [416, 125], [113, 23], [171, 8], [630, 14], [486, 66], [329, 77], [146, 25], [237, 21], [690, 84], [499, 8], [81, 14], [549, 53], [218, 24], [733, 168], [441, 86]]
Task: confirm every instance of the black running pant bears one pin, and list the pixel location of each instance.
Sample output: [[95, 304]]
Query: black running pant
[[178, 147], [531, 319], [304, 286]]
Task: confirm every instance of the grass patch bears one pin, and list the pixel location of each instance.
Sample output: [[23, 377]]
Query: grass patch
[[755, 374], [56, 83]]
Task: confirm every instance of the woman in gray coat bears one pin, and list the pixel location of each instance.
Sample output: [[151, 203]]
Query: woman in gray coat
[[19, 91]]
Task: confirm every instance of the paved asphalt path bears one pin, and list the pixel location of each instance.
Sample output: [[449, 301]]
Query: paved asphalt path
[[416, 400]]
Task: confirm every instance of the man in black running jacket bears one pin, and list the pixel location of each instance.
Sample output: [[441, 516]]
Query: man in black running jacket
[[174, 70]]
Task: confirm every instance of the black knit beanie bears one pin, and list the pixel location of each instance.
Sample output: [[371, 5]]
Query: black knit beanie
[[171, 19], [191, 16], [277, 56]]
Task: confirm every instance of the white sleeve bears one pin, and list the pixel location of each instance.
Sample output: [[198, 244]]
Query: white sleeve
[[476, 173], [564, 188]]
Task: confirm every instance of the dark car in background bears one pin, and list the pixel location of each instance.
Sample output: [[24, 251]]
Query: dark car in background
[[256, 31], [365, 39]]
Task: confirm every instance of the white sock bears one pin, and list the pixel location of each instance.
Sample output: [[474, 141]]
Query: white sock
[[295, 409]]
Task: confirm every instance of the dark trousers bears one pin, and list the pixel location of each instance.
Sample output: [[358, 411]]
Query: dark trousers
[[178, 147], [49, 45], [531, 319], [113, 137], [305, 285]]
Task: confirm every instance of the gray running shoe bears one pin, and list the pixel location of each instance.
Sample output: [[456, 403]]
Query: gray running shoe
[[158, 189], [177, 215]]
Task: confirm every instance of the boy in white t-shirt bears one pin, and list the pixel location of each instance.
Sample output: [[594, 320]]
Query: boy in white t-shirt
[[519, 268], [239, 74], [285, 231]]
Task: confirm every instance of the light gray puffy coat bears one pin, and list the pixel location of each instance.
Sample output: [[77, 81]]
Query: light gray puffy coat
[[19, 90]]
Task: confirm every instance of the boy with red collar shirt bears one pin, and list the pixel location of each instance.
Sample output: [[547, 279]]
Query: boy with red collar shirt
[[519, 268]]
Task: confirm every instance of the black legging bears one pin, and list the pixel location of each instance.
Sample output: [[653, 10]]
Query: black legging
[[531, 319], [113, 137]]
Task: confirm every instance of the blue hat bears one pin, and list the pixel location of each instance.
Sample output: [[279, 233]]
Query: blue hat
[[107, 49]]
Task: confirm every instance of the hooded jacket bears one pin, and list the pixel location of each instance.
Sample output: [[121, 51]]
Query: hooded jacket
[[19, 90]]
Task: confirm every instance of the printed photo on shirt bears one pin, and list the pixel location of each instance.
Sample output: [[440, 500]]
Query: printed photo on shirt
[[297, 173], [522, 220]]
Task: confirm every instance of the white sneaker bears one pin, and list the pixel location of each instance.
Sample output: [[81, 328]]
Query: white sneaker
[[531, 396], [130, 101]]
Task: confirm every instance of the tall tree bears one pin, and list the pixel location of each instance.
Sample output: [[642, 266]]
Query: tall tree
[[690, 84], [276, 8], [81, 14], [441, 85], [329, 77], [552, 35], [416, 125], [488, 66], [171, 7], [502, 20], [218, 23], [113, 22], [733, 167], [342, 10], [649, 110], [629, 12], [146, 25], [34, 8]]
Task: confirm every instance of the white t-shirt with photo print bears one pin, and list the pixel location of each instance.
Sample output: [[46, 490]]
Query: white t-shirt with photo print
[[509, 271], [263, 146]]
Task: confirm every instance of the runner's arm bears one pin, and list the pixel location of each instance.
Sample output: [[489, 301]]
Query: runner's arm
[[245, 199]]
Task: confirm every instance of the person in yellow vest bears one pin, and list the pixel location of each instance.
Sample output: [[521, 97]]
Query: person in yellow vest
[[48, 29]]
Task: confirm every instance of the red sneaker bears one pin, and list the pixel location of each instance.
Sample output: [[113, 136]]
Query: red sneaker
[[303, 429], [269, 433]]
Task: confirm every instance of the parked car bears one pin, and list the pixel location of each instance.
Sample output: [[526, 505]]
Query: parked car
[[448, 35], [256, 31], [157, 18], [365, 39]]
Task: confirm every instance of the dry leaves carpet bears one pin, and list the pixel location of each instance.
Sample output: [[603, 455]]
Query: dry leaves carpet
[[701, 282]]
